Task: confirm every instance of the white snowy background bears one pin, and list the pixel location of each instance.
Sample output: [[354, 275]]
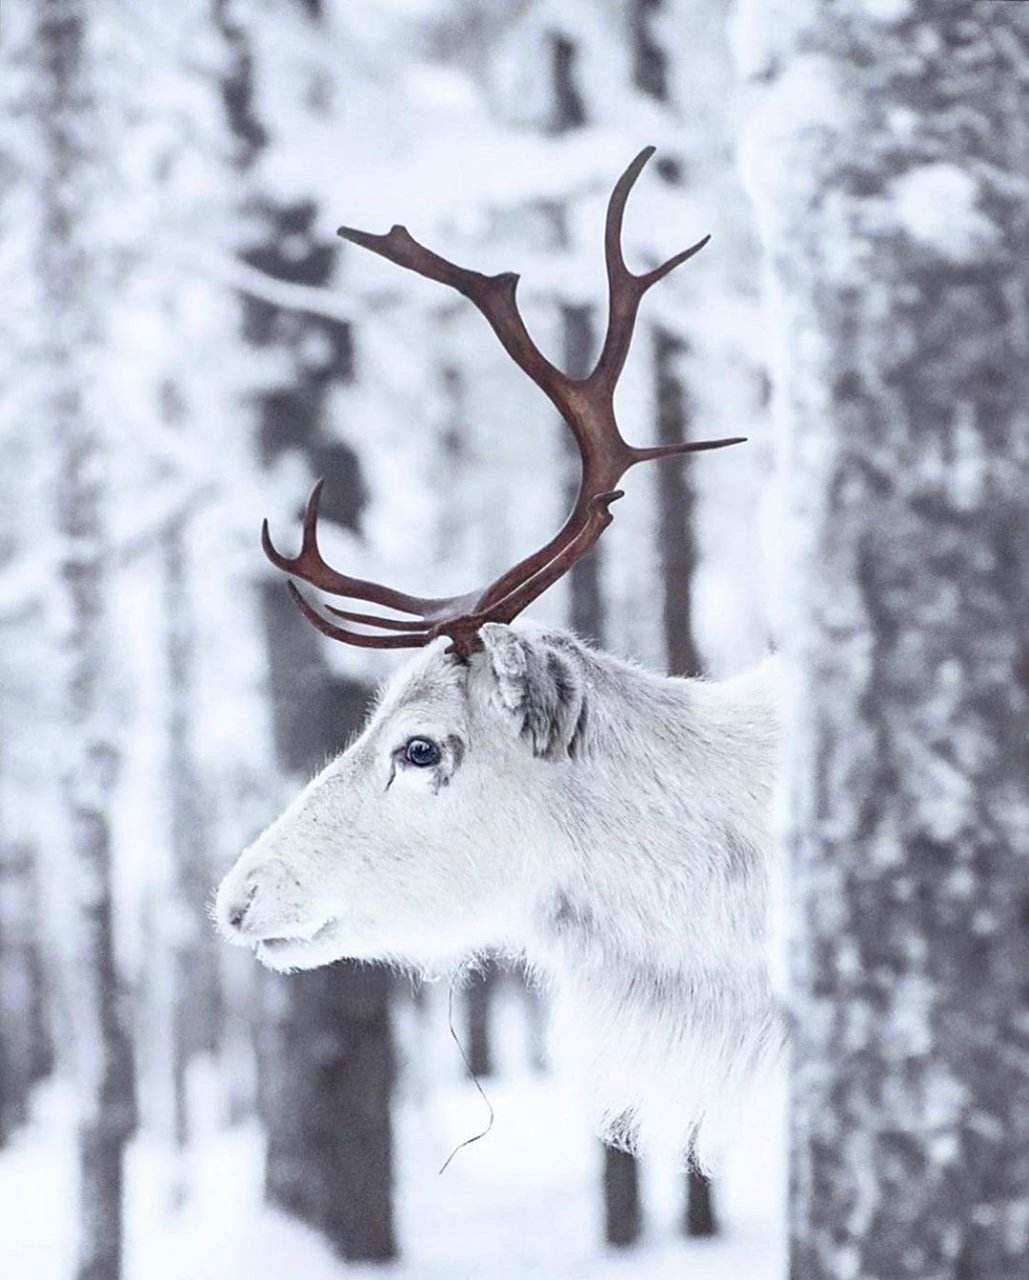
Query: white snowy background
[[443, 115]]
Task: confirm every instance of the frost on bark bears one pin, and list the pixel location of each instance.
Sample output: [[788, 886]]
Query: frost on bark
[[70, 284], [886, 150]]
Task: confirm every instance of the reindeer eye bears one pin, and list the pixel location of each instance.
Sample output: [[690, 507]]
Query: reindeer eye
[[422, 752]]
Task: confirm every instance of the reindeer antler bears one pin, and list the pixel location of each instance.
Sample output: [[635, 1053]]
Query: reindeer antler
[[585, 404]]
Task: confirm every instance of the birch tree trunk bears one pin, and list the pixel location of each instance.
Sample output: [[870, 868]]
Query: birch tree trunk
[[70, 282], [886, 150]]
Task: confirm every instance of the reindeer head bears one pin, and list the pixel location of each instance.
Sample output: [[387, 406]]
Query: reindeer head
[[431, 833], [425, 828]]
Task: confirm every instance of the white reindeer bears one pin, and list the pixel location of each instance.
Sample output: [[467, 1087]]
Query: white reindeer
[[514, 788]]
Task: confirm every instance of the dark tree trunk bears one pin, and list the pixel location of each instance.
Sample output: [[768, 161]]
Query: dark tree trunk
[[328, 1078], [328, 1058], [677, 541], [70, 282], [14, 999], [585, 602], [650, 62], [678, 552], [897, 230], [699, 1218], [568, 110], [622, 1218], [26, 1049], [676, 500], [325, 1060], [482, 986], [622, 1214]]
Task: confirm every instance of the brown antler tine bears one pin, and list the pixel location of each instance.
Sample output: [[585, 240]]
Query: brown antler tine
[[310, 566], [373, 620], [625, 290], [651, 452], [274, 555], [310, 534], [659, 273], [616, 203], [309, 552], [406, 641], [309, 539]]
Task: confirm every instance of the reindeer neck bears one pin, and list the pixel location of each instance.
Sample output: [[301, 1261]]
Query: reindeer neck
[[666, 810]]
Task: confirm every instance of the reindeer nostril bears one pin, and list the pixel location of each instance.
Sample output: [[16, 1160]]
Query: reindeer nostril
[[238, 909]]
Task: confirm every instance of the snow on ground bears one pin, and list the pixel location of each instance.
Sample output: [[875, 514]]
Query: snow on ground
[[524, 1202]]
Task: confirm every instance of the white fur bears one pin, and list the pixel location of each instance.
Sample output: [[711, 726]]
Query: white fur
[[611, 825]]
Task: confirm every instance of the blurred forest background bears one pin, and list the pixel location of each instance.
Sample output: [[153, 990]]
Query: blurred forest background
[[185, 346]]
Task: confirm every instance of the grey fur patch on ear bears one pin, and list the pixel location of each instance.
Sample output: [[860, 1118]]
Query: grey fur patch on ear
[[540, 687]]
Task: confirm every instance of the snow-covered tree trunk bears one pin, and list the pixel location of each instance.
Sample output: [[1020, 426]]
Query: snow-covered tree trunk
[[329, 1059], [886, 148], [70, 283], [28, 790], [26, 1054], [196, 993]]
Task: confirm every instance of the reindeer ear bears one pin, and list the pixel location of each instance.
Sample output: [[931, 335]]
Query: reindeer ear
[[538, 686]]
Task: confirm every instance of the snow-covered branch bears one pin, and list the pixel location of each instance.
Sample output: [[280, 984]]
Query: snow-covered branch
[[223, 268]]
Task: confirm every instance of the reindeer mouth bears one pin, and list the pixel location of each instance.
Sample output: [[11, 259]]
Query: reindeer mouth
[[274, 951]]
